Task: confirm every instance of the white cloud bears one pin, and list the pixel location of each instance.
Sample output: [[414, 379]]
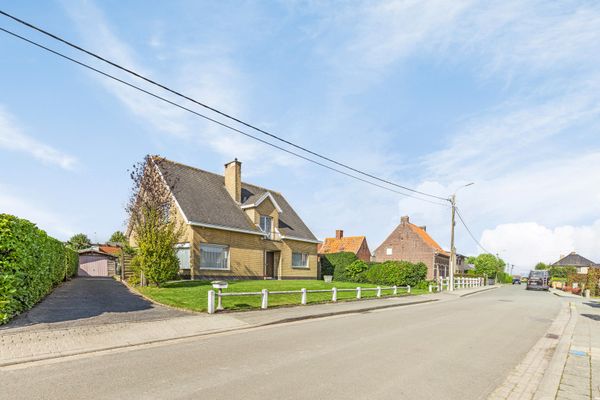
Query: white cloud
[[526, 243], [13, 138], [55, 225], [203, 71]]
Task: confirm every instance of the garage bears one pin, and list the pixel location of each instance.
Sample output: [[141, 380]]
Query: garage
[[96, 263]]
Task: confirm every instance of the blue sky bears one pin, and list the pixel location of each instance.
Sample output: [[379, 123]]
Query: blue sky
[[428, 94]]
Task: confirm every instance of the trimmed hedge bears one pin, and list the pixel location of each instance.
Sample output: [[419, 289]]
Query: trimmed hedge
[[399, 273], [335, 264], [31, 265]]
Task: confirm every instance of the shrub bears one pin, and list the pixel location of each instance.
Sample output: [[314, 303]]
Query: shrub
[[31, 264], [335, 264], [399, 273], [355, 272]]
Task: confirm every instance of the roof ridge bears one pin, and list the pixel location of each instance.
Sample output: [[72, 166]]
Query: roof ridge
[[215, 174]]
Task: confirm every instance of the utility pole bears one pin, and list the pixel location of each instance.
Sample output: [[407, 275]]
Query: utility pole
[[452, 201], [452, 248]]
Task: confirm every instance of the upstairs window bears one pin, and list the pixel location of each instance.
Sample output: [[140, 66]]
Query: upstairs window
[[266, 224], [388, 251]]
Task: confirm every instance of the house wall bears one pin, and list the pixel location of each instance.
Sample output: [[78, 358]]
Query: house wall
[[406, 246], [247, 255], [363, 252]]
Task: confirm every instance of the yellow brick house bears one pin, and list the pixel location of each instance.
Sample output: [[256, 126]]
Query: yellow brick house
[[235, 230]]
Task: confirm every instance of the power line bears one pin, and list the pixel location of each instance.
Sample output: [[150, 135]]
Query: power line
[[82, 64], [228, 116], [470, 233]]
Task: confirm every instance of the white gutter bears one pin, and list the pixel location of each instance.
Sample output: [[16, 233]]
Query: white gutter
[[225, 228], [301, 239]]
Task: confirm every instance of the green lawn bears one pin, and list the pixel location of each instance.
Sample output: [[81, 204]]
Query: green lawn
[[192, 295]]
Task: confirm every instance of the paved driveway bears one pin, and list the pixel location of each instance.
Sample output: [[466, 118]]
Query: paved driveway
[[91, 301]]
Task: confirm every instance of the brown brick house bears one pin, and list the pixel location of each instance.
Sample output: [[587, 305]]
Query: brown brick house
[[352, 244], [235, 230], [409, 242]]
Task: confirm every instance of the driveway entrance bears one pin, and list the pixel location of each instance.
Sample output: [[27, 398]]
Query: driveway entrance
[[91, 301]]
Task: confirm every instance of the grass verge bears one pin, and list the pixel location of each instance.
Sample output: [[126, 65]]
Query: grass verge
[[193, 295]]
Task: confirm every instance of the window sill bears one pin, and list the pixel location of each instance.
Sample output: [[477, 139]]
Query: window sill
[[300, 267], [214, 269]]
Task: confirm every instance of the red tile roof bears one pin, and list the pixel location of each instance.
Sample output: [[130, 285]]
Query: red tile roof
[[345, 244], [427, 239], [114, 250]]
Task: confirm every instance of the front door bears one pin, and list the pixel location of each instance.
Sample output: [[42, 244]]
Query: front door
[[270, 264]]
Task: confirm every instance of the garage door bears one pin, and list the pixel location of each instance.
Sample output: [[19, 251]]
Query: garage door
[[93, 266]]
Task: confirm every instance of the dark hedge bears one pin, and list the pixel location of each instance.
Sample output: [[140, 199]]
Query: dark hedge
[[31, 265]]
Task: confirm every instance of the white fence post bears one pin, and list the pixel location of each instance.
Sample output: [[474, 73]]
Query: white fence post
[[303, 300], [378, 291], [430, 288], [334, 295], [408, 289], [265, 299], [395, 290], [358, 292], [211, 301]]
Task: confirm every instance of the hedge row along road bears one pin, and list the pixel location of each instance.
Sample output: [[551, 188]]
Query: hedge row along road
[[31, 265]]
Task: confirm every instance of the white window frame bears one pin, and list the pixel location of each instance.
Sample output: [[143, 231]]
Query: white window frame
[[306, 264], [260, 220], [389, 251], [221, 246]]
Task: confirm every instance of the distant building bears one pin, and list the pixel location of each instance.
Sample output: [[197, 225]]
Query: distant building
[[352, 244], [409, 242], [575, 260]]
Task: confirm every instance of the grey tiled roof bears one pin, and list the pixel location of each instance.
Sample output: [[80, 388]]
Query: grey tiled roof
[[575, 260], [204, 199]]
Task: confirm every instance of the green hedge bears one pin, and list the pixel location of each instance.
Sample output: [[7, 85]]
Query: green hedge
[[31, 265], [399, 273], [335, 264]]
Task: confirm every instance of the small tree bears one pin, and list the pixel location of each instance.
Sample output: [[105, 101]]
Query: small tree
[[79, 241], [487, 264], [541, 265], [118, 237], [155, 232]]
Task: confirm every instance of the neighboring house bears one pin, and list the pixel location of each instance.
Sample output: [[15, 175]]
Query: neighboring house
[[94, 262], [575, 260], [352, 244], [409, 242], [235, 230]]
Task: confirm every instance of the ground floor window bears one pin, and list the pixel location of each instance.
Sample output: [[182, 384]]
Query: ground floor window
[[182, 251], [214, 256], [299, 260]]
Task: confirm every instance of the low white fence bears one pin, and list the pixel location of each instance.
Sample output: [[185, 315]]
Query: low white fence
[[459, 283], [264, 304]]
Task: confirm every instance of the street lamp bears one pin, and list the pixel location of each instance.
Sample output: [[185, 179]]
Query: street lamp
[[452, 200]]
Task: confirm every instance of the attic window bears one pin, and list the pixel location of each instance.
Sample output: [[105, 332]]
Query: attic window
[[388, 251]]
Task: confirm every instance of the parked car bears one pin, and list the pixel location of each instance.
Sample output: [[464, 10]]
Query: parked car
[[538, 280], [516, 280]]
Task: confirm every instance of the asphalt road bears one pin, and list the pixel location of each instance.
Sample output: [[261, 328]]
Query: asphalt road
[[459, 349]]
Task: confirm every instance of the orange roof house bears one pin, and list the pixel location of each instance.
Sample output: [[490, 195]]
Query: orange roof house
[[352, 244], [409, 242]]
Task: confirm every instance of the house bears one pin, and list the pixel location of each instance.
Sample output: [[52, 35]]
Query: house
[[575, 260], [352, 244], [233, 229], [409, 242], [94, 262]]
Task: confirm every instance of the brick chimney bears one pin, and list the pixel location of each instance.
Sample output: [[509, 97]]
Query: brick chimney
[[339, 234], [233, 179], [424, 227], [404, 219]]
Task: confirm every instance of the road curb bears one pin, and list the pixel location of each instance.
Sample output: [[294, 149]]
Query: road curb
[[551, 381], [479, 291]]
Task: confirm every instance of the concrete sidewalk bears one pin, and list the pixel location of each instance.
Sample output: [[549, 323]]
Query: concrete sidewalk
[[22, 345]]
